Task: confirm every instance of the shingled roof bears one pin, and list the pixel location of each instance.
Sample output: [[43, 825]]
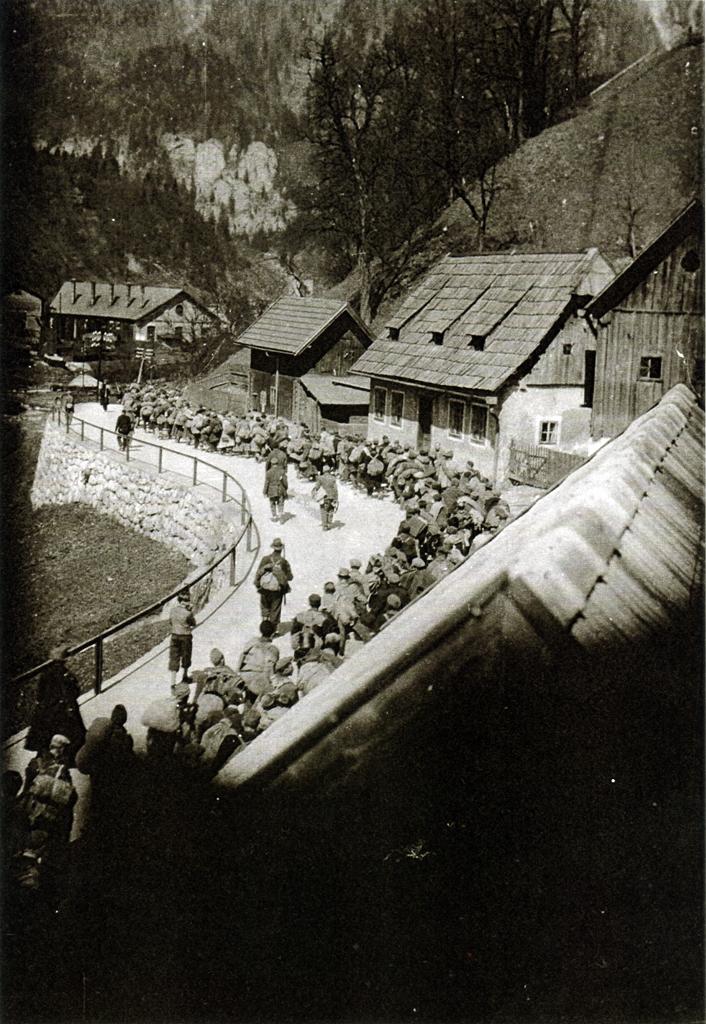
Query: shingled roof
[[291, 323], [118, 301], [475, 320]]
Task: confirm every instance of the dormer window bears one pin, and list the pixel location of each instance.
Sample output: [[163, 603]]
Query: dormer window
[[477, 342], [437, 337], [393, 333]]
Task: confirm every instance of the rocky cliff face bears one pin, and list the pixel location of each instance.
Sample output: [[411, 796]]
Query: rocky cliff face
[[242, 183]]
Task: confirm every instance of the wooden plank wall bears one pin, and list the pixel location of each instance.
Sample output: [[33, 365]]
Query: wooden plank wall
[[663, 316]]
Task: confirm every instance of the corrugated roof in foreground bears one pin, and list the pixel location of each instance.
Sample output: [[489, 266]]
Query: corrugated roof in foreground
[[511, 301], [610, 558], [291, 323]]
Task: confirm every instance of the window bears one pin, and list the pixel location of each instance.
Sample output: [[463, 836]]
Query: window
[[179, 333], [393, 333], [456, 412], [437, 337], [396, 408], [380, 400], [651, 368], [150, 333], [477, 342], [548, 431], [567, 348], [273, 396], [479, 423], [180, 310]]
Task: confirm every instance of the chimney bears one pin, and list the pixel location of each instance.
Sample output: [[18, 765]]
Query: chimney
[[129, 290], [93, 292], [112, 293], [142, 290], [75, 293]]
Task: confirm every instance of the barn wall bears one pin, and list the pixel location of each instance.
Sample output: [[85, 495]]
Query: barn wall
[[662, 317]]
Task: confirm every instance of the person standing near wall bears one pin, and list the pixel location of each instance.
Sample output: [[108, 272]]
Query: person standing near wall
[[182, 622]]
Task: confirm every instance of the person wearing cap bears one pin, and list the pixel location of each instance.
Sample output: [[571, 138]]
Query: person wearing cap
[[308, 628], [166, 719], [49, 798], [328, 503], [257, 662], [181, 623], [272, 580], [357, 577], [56, 709]]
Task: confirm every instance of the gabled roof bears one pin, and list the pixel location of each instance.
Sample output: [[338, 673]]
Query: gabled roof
[[689, 221], [118, 301], [336, 390], [506, 304], [291, 324]]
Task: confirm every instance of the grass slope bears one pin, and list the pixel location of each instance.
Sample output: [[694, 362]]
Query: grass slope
[[68, 574]]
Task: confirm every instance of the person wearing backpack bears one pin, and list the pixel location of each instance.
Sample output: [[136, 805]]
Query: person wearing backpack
[[272, 580], [257, 662]]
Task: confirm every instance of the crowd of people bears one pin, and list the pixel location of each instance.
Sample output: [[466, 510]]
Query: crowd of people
[[446, 513]]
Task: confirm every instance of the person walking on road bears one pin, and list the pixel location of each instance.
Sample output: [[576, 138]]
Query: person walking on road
[[272, 581], [328, 503], [276, 489], [123, 428]]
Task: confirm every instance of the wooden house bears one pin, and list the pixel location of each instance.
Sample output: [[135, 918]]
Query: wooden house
[[649, 326], [297, 337], [488, 353], [125, 315]]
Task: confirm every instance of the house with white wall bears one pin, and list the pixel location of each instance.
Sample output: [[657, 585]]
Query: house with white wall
[[489, 351]]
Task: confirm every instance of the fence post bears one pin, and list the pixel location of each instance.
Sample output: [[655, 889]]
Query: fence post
[[159, 460], [232, 566], [101, 438], [83, 429], [196, 464], [99, 666], [243, 510], [249, 534], [225, 487]]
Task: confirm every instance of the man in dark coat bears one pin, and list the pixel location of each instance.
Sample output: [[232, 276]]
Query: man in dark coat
[[56, 710], [272, 580], [276, 488]]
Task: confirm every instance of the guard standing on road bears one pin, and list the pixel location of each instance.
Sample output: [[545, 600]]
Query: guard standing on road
[[328, 503]]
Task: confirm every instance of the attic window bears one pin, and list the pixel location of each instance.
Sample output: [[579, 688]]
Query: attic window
[[393, 333], [691, 261], [477, 342], [437, 337], [179, 310], [567, 348]]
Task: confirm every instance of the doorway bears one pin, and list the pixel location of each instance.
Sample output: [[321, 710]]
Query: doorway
[[426, 410]]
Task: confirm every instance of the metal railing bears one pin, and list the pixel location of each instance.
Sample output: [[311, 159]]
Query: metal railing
[[250, 533]]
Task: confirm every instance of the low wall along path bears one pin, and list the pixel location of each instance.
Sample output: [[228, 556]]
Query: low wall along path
[[192, 519]]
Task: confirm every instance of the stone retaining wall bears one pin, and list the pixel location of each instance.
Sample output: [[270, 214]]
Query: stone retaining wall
[[187, 519]]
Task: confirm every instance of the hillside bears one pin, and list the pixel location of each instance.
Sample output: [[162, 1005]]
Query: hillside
[[634, 156], [612, 177]]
